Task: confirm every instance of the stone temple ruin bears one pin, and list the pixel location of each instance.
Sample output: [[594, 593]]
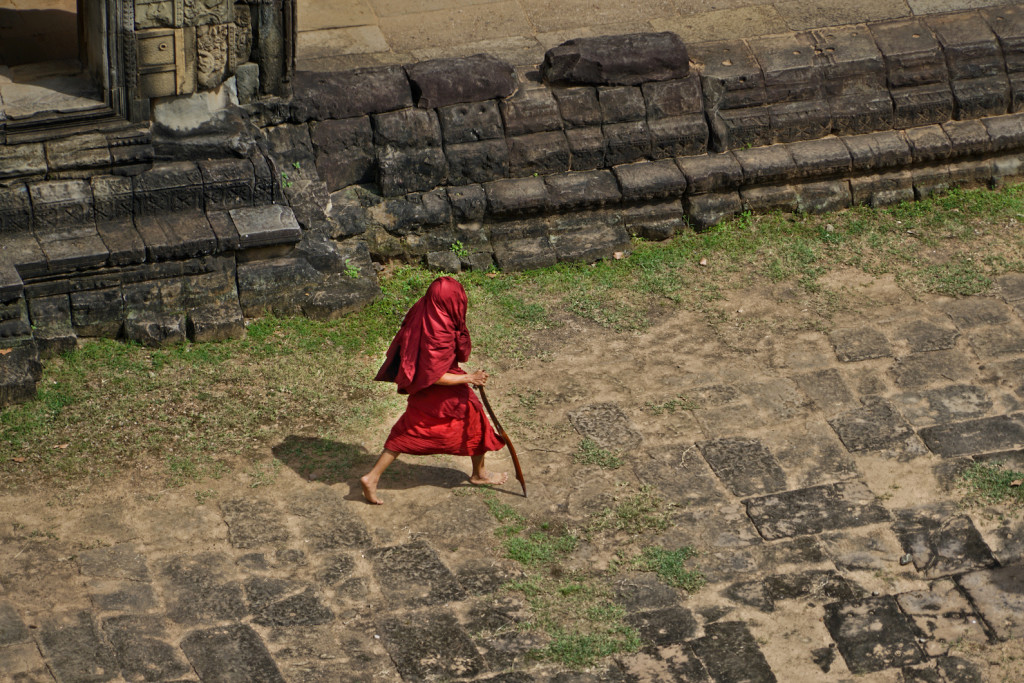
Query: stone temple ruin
[[180, 175]]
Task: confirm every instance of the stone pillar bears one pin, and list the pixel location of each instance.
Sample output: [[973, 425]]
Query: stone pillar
[[269, 18]]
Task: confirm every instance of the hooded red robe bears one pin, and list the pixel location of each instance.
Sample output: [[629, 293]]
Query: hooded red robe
[[433, 340]]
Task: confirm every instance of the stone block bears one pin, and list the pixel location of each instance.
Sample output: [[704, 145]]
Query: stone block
[[586, 148], [789, 67], [153, 330], [141, 645], [711, 172], [471, 122], [972, 173], [1016, 93], [745, 466], [606, 425], [454, 80], [621, 103], [224, 230], [1006, 132], [478, 260], [415, 211], [578, 106], [813, 510], [802, 120], [131, 151], [678, 136], [227, 652], [928, 144], [524, 254], [740, 129], [344, 151], [731, 78], [706, 210], [655, 222], [400, 171], [731, 653], [97, 313], [267, 187], [345, 94], [215, 322], [516, 195], [227, 183], [538, 153], [73, 644], [168, 188], [11, 285], [586, 238], [849, 61], [994, 593], [247, 82], [112, 197], [967, 138], [468, 202], [516, 229], [577, 190], [531, 111], [22, 250], [260, 226], [176, 236], [78, 156], [67, 250], [51, 324], [15, 209], [979, 97], [767, 198], [626, 142], [857, 114], [61, 204], [922, 105], [873, 634], [820, 158], [874, 426], [444, 262], [27, 161], [407, 129], [124, 244], [913, 56], [766, 164], [1008, 24], [972, 437], [647, 180], [290, 144], [629, 59], [929, 181], [878, 151], [430, 646], [477, 162], [882, 189], [667, 99], [971, 48]]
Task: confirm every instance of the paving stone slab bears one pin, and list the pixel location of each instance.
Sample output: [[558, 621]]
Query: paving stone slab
[[336, 569], [114, 595], [12, 628], [230, 653], [480, 579], [429, 645], [942, 612], [860, 343], [856, 549], [122, 561], [413, 574], [926, 335], [921, 369], [75, 650], [956, 402], [730, 653], [639, 591], [976, 311], [1011, 286], [872, 634], [327, 520], [606, 425], [997, 340], [985, 435], [815, 509], [998, 596], [142, 648], [957, 670], [197, 592], [873, 426], [664, 626], [826, 389], [676, 662], [745, 466], [722, 525], [253, 523], [815, 583], [304, 609], [941, 542], [812, 454], [23, 663], [683, 477]]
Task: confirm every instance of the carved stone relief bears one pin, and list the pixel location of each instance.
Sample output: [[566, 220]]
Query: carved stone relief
[[212, 42], [243, 34]]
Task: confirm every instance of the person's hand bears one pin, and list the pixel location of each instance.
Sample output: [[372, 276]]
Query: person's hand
[[477, 379]]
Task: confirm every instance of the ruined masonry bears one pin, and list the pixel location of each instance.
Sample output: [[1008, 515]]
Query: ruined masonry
[[157, 227]]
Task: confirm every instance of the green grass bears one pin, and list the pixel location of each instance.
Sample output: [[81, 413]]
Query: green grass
[[987, 484], [590, 453], [671, 405], [635, 514], [670, 567]]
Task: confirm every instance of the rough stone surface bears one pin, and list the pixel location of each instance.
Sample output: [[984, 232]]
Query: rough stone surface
[[606, 425], [941, 543], [745, 466], [617, 60], [873, 634], [997, 595], [972, 437], [230, 653], [730, 652], [413, 574], [429, 645], [340, 95], [815, 509], [443, 82], [873, 426]]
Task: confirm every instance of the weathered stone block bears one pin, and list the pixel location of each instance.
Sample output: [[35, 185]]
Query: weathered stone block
[[524, 254], [415, 211], [617, 60], [154, 330], [789, 68], [444, 262], [97, 313], [666, 99], [972, 173], [516, 195], [765, 198], [815, 509], [873, 634], [856, 114], [922, 105], [705, 210], [913, 56], [626, 142], [477, 162], [586, 148], [993, 592], [678, 136], [569, 191], [711, 172], [621, 103], [538, 153], [23, 161], [878, 151], [654, 222], [471, 122], [849, 61], [51, 324], [274, 285], [745, 466], [516, 229], [928, 144], [730, 652], [430, 646], [453, 80], [967, 138], [168, 188], [802, 120], [78, 156], [344, 151], [69, 249], [981, 97], [469, 202], [731, 77], [23, 251], [930, 180], [131, 151], [340, 95], [985, 435], [123, 242], [227, 183], [874, 426], [176, 236], [112, 197], [649, 180], [1008, 25], [531, 111], [741, 129], [586, 238], [820, 158], [410, 170], [267, 187], [971, 48], [1006, 132], [15, 209], [578, 106], [766, 164], [227, 652], [261, 226], [61, 204], [407, 129], [884, 189]]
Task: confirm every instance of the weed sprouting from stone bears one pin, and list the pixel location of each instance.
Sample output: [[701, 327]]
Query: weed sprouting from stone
[[590, 453]]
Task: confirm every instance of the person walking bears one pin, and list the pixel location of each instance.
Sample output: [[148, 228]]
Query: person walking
[[442, 415]]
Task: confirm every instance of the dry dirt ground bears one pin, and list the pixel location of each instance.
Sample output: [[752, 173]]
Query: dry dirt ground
[[801, 463]]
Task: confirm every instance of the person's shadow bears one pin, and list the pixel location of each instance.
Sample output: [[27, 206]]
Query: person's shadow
[[334, 462]]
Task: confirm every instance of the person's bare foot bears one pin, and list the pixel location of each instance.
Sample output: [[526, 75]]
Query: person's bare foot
[[370, 490], [485, 478]]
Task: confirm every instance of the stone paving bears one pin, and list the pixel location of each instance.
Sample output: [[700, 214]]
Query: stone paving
[[342, 34], [814, 472]]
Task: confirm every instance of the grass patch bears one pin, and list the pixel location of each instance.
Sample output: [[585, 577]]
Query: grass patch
[[671, 405], [590, 453], [635, 514], [670, 567], [985, 484]]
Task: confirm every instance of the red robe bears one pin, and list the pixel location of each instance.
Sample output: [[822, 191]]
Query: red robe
[[433, 340]]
